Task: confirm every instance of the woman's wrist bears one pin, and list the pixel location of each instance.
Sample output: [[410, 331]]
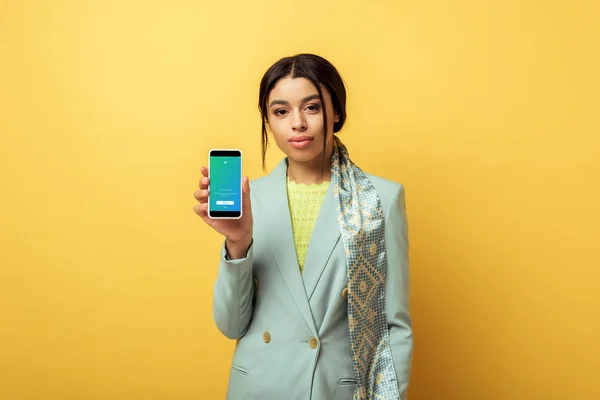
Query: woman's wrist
[[237, 249]]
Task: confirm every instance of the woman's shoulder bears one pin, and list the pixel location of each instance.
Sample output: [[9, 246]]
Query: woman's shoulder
[[258, 182], [388, 190], [258, 186], [263, 182], [383, 184]]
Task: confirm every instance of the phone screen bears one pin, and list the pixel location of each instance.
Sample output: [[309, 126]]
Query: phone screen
[[225, 195]]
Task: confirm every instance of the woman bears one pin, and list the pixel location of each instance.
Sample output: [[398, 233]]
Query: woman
[[313, 279]]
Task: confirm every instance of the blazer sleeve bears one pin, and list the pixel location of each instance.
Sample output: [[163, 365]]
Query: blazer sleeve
[[233, 295], [397, 289]]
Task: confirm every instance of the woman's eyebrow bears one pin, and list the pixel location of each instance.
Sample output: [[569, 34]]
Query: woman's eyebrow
[[304, 100]]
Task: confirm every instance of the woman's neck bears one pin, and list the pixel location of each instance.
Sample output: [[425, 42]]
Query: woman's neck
[[309, 172]]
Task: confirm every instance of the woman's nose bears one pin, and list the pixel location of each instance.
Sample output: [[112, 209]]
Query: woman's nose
[[299, 123]]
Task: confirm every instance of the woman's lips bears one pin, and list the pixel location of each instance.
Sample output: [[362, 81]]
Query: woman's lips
[[300, 142]]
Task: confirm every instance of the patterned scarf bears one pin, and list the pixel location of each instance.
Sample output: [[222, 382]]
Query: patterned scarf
[[361, 221]]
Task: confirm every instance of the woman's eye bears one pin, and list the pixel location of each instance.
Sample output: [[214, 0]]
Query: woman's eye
[[280, 112], [313, 107]]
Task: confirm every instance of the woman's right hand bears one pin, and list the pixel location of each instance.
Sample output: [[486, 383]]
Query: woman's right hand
[[237, 232]]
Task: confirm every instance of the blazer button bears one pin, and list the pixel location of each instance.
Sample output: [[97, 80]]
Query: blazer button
[[256, 283], [313, 343], [267, 337], [345, 292]]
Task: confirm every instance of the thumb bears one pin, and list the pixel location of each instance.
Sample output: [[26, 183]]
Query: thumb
[[246, 193]]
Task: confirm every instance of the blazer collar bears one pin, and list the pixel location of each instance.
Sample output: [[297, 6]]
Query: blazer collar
[[326, 234]]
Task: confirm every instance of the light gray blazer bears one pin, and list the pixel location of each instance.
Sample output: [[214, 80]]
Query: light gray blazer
[[292, 328]]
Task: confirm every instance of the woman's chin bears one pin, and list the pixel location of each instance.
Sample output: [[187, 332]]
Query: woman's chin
[[302, 156]]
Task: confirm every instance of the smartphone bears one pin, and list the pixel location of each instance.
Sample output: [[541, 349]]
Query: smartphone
[[225, 188]]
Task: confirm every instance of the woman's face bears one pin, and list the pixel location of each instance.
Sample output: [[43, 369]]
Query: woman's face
[[295, 117]]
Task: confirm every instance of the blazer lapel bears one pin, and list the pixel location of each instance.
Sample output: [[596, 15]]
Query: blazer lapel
[[324, 237], [282, 242]]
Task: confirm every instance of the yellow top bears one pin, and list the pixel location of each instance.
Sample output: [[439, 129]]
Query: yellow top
[[305, 203]]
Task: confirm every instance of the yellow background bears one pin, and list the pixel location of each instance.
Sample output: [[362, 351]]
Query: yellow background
[[487, 111]]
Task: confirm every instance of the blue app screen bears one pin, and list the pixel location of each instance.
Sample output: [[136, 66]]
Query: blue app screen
[[225, 183]]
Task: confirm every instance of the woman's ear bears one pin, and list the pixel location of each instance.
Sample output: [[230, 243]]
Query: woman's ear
[[337, 117]]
